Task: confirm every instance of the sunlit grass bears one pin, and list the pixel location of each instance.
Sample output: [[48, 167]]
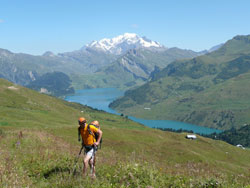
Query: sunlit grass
[[39, 159], [131, 156]]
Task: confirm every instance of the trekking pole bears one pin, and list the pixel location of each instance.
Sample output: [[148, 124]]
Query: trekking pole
[[74, 171]]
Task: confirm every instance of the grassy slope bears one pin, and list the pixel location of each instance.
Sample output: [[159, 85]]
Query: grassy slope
[[132, 154], [191, 91], [224, 104], [104, 80]]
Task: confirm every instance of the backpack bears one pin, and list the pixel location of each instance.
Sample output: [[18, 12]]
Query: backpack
[[96, 135]]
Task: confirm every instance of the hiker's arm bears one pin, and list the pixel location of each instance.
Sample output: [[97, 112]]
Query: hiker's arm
[[99, 138]]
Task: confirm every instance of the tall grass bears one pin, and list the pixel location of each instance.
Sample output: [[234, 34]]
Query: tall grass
[[38, 147], [40, 159]]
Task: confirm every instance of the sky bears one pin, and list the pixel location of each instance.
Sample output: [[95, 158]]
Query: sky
[[37, 26]]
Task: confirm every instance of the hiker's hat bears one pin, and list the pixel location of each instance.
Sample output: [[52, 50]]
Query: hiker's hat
[[82, 120]]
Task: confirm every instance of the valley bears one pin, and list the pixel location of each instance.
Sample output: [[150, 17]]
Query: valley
[[209, 90], [124, 94], [163, 88]]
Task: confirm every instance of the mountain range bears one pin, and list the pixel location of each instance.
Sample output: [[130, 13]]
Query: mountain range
[[134, 56], [131, 69], [209, 90]]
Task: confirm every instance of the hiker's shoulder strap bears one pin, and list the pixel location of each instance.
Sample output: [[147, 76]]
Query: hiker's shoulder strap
[[95, 135], [93, 128]]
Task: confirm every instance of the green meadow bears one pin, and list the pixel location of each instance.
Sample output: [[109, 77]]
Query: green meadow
[[38, 148]]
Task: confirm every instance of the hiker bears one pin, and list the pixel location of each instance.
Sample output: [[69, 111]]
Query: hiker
[[90, 143]]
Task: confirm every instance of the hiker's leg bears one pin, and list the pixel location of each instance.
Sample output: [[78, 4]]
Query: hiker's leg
[[86, 160], [93, 170], [85, 163], [93, 161], [91, 164]]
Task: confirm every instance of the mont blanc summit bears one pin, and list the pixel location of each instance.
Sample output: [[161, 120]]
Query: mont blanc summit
[[122, 43]]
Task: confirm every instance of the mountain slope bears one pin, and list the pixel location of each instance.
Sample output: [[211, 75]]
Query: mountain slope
[[49, 141], [133, 68], [208, 90], [142, 62], [56, 84], [235, 136], [24, 68]]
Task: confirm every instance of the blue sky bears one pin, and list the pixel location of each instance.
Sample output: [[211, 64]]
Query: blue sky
[[36, 26]]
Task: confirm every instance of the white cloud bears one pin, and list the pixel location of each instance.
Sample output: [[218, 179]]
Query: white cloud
[[134, 26]]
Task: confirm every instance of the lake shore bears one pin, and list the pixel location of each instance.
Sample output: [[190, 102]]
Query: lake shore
[[100, 98]]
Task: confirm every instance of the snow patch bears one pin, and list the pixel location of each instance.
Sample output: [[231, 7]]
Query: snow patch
[[120, 44]]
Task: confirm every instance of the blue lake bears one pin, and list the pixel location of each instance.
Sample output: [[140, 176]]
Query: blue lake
[[100, 98]]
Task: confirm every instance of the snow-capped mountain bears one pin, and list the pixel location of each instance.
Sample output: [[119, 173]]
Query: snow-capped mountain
[[122, 43]]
